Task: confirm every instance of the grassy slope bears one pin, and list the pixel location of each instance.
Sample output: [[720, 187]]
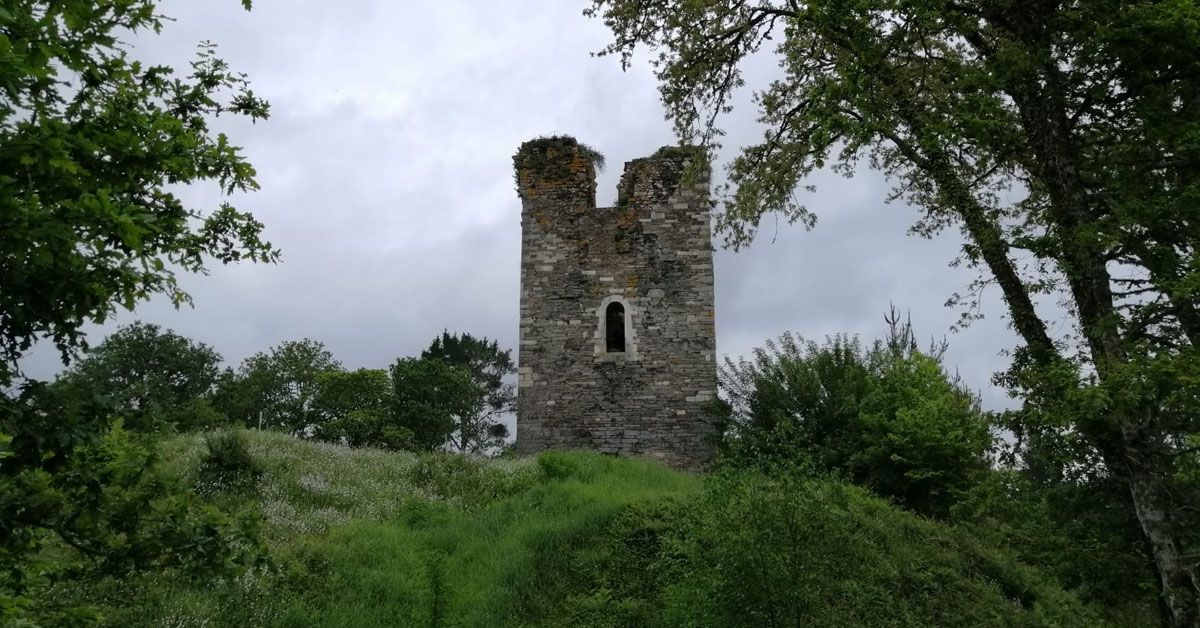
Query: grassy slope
[[368, 538]]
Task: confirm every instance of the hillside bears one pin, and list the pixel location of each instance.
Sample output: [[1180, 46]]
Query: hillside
[[368, 538]]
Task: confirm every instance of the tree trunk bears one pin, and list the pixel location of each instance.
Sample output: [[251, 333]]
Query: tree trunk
[[1053, 157], [1181, 589], [986, 235]]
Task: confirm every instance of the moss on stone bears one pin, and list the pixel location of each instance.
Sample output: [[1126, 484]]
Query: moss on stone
[[681, 153], [544, 156]]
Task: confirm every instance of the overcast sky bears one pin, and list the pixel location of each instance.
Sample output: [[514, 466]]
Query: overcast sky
[[386, 179]]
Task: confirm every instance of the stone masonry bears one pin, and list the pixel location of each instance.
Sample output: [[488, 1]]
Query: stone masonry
[[588, 379]]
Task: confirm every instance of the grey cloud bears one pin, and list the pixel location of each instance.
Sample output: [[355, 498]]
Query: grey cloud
[[386, 181]]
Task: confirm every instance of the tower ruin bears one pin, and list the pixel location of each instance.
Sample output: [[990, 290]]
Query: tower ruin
[[617, 344]]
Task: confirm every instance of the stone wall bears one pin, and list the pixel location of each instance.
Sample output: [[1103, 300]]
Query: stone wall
[[652, 253]]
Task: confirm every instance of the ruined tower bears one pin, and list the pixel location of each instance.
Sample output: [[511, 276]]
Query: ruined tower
[[617, 331]]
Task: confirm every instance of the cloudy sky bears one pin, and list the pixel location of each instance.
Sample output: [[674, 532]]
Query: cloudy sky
[[386, 181]]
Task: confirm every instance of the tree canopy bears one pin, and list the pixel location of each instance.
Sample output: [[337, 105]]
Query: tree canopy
[[92, 143], [481, 429], [431, 399], [153, 377], [276, 388], [1060, 142], [356, 408]]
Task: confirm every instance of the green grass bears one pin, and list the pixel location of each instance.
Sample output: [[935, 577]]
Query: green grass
[[369, 538], [438, 564]]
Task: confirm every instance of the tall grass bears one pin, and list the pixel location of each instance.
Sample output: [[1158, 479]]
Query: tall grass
[[368, 538], [439, 564]]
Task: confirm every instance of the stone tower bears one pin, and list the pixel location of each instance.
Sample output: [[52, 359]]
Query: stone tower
[[617, 331]]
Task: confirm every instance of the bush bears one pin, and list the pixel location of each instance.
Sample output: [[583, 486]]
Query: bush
[[227, 464], [785, 551], [352, 408], [888, 418], [97, 511], [193, 416]]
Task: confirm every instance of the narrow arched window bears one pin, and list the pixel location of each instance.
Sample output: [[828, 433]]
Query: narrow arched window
[[614, 328]]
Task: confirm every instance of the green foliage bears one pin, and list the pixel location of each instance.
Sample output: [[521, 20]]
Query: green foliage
[[1082, 533], [888, 418], [369, 428], [353, 408], [276, 389], [227, 464], [506, 559], [431, 398], [1048, 133], [307, 486], [786, 551], [924, 438], [480, 431], [153, 379], [97, 509], [341, 392], [196, 415], [91, 143], [467, 482], [369, 538]]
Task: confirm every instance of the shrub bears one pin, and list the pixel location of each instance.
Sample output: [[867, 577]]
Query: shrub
[[101, 511], [786, 551], [227, 464], [368, 428], [193, 416], [888, 418], [352, 407]]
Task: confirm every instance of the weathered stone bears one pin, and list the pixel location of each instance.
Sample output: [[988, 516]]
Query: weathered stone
[[652, 254]]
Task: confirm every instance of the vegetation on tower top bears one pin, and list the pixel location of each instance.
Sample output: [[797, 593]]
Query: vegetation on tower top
[[542, 155]]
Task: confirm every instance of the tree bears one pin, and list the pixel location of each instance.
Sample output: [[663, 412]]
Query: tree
[[1046, 130], [885, 417], [92, 145], [277, 388], [354, 407], [1076, 525], [153, 378], [430, 399], [481, 430]]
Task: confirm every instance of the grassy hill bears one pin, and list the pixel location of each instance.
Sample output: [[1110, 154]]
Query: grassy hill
[[371, 538]]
